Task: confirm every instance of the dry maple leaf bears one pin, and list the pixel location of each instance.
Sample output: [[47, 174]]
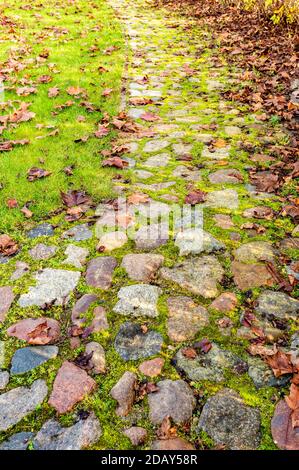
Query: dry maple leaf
[[107, 91], [196, 196], [190, 353], [22, 114], [76, 91], [8, 246], [53, 92], [44, 79], [204, 345], [150, 117], [37, 173], [138, 198], [166, 429], [116, 162], [280, 363], [12, 203], [76, 198], [102, 131], [74, 213], [140, 101]]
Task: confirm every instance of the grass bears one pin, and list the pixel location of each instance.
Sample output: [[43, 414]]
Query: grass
[[90, 29]]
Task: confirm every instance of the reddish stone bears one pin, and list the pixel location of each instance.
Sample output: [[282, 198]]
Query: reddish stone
[[81, 306], [36, 330], [142, 267], [284, 435], [124, 393], [71, 385], [99, 272], [172, 444], [99, 321], [248, 276], [225, 302], [6, 299], [152, 368]]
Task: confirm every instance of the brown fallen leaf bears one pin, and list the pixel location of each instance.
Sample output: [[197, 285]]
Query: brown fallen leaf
[[22, 114], [150, 117], [116, 162], [190, 353], [107, 91], [280, 363], [204, 345], [44, 79], [76, 91], [196, 196], [53, 92], [37, 173], [8, 246], [102, 131], [12, 203], [75, 198], [166, 429], [27, 213], [140, 101], [138, 198], [26, 90], [74, 213], [293, 403]]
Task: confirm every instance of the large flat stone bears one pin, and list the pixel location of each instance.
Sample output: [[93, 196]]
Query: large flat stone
[[52, 286], [278, 305], [37, 331], [18, 441], [99, 272], [19, 402], [174, 398], [227, 198], [229, 422], [52, 436], [196, 241], [255, 251], [248, 276], [142, 267], [29, 358], [139, 300], [133, 343], [198, 275], [185, 318]]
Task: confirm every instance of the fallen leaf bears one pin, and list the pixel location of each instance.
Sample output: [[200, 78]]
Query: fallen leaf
[[150, 117], [166, 429], [190, 353], [12, 203], [107, 91], [196, 196], [8, 246], [116, 162], [138, 198], [53, 92], [102, 131], [27, 213], [204, 345], [37, 173]]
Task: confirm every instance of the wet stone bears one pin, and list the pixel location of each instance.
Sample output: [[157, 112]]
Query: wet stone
[[142, 267], [278, 305], [151, 236], [199, 275], [174, 398], [42, 251], [6, 299], [99, 272], [19, 402], [229, 422], [284, 435], [196, 241], [99, 322], [78, 233], [155, 145], [229, 176], [133, 343], [262, 375], [71, 386], [157, 161], [53, 436], [52, 286], [42, 230], [4, 379], [255, 251], [20, 271], [18, 441], [139, 300], [76, 256], [185, 318], [211, 365], [29, 358], [248, 276], [227, 198], [124, 393]]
